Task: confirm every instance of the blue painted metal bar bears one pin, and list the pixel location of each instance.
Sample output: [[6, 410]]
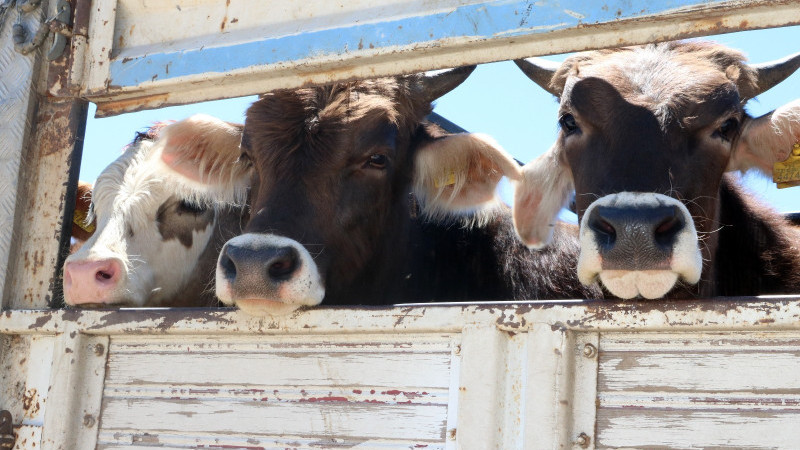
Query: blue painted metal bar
[[476, 22]]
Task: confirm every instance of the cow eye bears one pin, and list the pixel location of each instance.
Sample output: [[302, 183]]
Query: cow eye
[[568, 123], [727, 129], [191, 208], [377, 161]]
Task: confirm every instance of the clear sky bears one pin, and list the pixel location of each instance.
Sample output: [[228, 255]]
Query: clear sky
[[497, 99]]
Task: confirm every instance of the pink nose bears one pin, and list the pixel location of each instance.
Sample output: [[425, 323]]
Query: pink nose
[[91, 281]]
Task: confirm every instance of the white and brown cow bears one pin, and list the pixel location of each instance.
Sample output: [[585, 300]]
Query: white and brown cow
[[155, 244], [647, 136]]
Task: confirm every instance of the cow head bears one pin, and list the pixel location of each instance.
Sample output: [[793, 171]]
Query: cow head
[[646, 136], [151, 231], [331, 172]]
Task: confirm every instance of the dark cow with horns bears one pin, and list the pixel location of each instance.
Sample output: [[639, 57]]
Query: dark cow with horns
[[647, 135], [355, 199]]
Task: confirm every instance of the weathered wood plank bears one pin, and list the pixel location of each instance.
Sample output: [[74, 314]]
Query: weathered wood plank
[[327, 418], [661, 429], [698, 390], [75, 391], [232, 364], [142, 59]]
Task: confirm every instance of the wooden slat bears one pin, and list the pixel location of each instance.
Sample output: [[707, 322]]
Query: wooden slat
[[378, 389], [698, 390]]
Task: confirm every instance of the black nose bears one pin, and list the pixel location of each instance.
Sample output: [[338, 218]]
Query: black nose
[[253, 262], [635, 238]]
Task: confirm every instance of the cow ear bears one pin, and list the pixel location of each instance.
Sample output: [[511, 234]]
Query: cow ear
[[460, 172], [83, 223], [767, 139], [544, 189], [203, 152]]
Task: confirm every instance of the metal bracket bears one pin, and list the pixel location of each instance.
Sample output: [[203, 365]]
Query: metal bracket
[[7, 439], [60, 26]]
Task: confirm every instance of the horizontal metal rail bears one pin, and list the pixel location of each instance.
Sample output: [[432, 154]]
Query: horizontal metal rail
[[141, 55], [759, 313]]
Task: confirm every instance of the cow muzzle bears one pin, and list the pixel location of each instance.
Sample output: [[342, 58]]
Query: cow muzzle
[[265, 274], [96, 282], [638, 244]]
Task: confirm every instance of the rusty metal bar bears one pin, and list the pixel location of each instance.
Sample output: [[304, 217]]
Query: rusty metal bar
[[761, 313]]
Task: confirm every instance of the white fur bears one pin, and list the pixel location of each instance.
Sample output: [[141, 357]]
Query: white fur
[[304, 289], [541, 193], [459, 174], [686, 262], [201, 155], [127, 194], [767, 139]]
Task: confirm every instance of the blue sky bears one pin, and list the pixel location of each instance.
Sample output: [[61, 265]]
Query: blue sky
[[497, 99]]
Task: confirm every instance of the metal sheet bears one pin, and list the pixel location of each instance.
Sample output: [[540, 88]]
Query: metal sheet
[[16, 105], [146, 54]]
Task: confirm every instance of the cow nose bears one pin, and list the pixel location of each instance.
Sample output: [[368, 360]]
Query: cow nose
[[273, 264], [635, 238], [91, 281]]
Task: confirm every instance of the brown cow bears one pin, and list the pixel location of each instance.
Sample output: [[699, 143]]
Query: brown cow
[[333, 215], [647, 134]]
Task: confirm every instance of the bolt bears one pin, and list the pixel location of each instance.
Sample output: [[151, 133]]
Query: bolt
[[88, 421], [589, 351], [583, 440], [99, 349], [451, 434], [457, 350]]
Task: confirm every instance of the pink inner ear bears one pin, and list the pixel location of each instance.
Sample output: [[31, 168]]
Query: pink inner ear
[[525, 211], [174, 157]]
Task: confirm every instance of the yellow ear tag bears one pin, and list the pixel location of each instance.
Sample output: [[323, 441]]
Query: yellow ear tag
[[445, 181], [787, 173], [79, 219]]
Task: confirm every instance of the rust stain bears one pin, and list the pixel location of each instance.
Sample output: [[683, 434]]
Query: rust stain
[[132, 104], [323, 399], [30, 403], [40, 322]]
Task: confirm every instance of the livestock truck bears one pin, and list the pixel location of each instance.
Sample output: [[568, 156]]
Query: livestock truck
[[536, 374]]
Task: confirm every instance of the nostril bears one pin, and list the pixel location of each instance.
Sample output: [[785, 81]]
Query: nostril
[[667, 230], [602, 226], [227, 265], [605, 233], [107, 272], [283, 264], [103, 275]]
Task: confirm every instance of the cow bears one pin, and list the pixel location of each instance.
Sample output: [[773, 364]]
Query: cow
[[155, 244], [647, 137], [356, 199]]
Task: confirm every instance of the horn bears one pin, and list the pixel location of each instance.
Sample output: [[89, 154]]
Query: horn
[[773, 72], [540, 71], [436, 84]]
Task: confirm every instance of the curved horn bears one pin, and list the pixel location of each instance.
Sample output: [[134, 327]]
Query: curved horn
[[540, 71], [436, 84], [773, 72]]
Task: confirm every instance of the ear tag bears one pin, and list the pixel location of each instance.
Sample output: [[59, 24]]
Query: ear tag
[[787, 173], [448, 180], [79, 219]]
